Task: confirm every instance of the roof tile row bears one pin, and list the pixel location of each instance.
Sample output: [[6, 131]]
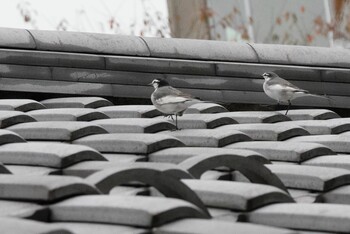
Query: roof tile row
[[171, 48], [87, 167]]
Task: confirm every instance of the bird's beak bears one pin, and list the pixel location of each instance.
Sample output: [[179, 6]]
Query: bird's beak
[[150, 83]]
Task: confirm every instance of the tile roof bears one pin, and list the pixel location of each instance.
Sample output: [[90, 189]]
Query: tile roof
[[76, 159]]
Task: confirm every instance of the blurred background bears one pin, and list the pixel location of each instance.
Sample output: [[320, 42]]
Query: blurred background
[[294, 22]]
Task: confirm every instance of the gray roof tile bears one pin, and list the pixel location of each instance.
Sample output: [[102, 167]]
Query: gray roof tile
[[84, 228], [76, 102], [18, 38], [311, 114], [159, 65], [338, 143], [255, 70], [130, 191], [42, 188], [339, 125], [200, 226], [67, 114], [164, 178], [223, 214], [339, 195], [8, 118], [55, 155], [236, 195], [84, 169], [23, 226], [202, 121], [37, 82], [179, 154], [50, 59], [128, 182], [125, 158], [189, 49], [197, 165], [209, 137], [144, 212], [80, 65], [4, 169], [324, 127], [339, 161], [313, 217], [103, 179], [303, 196], [21, 72], [255, 116], [135, 125], [310, 177], [284, 151], [302, 55], [314, 127], [134, 143], [20, 105], [216, 175], [268, 132], [33, 170], [345, 133], [89, 43], [130, 111], [56, 130], [7, 136], [117, 79], [20, 209]]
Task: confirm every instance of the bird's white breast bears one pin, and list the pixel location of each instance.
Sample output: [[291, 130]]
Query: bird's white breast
[[278, 92]]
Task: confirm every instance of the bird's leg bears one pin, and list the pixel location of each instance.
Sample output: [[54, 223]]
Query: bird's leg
[[278, 106], [176, 122], [176, 128], [289, 104]]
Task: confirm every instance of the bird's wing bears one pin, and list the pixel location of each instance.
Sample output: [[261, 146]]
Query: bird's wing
[[283, 84], [171, 99], [167, 95], [177, 92]]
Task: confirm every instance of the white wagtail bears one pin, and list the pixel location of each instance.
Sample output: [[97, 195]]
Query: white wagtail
[[169, 100], [283, 91]]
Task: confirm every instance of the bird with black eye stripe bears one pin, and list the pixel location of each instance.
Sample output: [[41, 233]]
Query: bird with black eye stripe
[[283, 91], [169, 100]]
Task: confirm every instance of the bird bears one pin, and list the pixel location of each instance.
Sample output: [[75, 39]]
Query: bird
[[283, 91], [169, 100]]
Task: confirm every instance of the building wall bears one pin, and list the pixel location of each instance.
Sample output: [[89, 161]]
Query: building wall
[[187, 19], [296, 22]]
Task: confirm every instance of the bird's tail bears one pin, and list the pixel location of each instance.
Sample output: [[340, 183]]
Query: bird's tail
[[307, 94], [320, 96]]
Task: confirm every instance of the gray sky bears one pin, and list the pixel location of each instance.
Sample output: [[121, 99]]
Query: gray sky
[[82, 15]]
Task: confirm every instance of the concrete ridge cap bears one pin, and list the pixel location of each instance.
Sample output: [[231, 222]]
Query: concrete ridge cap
[[31, 35], [184, 48], [286, 46], [84, 42], [174, 48], [302, 55]]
